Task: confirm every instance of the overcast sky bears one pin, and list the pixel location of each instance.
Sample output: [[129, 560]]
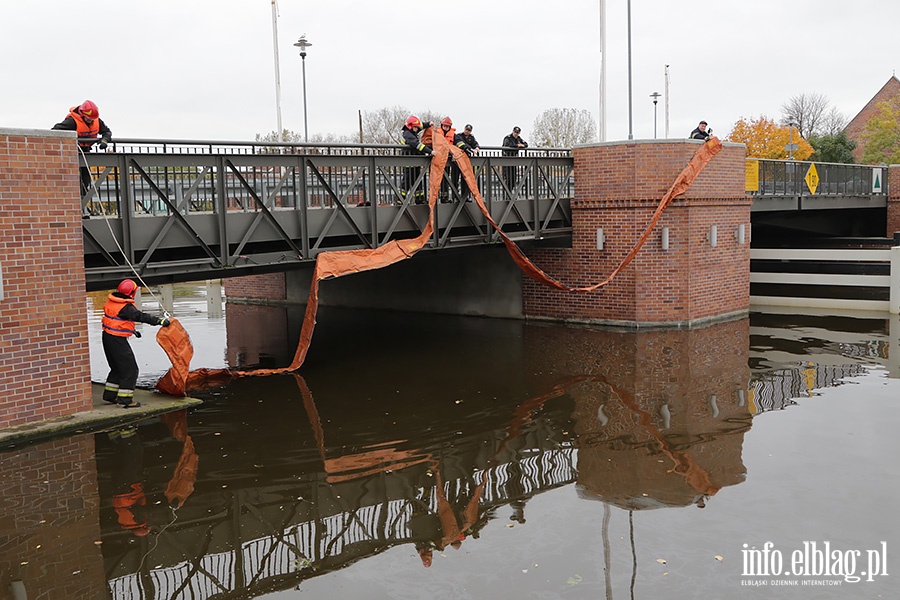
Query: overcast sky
[[204, 69]]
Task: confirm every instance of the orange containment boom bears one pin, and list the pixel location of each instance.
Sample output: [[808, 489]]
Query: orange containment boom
[[176, 342]]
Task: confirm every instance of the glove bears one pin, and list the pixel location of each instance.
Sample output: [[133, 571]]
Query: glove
[[165, 322], [102, 145], [137, 333]]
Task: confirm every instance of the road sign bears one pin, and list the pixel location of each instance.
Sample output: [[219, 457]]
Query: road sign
[[812, 178], [751, 176], [877, 180]]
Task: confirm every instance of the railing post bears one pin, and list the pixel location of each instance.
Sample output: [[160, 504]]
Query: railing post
[[221, 208], [535, 203]]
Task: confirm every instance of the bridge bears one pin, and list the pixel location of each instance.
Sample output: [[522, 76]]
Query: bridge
[[183, 211], [189, 210]]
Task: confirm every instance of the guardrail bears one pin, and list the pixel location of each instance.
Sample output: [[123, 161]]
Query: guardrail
[[840, 278], [183, 211], [767, 177]]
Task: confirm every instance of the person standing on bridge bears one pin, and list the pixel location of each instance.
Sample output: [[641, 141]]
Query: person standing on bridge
[[467, 142], [119, 317], [412, 145], [511, 145], [85, 120], [452, 169], [701, 133]]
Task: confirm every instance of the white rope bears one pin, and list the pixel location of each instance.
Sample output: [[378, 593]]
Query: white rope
[[95, 191], [156, 541]]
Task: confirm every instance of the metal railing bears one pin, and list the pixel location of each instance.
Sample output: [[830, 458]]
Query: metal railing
[[181, 210], [789, 178]]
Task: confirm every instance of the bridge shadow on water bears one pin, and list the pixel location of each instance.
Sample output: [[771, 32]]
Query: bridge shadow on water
[[405, 435]]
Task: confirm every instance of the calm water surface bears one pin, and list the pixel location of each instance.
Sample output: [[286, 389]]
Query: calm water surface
[[447, 457]]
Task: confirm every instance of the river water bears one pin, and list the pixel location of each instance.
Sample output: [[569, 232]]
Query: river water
[[420, 456]]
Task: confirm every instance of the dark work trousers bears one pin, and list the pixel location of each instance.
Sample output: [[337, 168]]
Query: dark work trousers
[[123, 368], [510, 177], [85, 180]]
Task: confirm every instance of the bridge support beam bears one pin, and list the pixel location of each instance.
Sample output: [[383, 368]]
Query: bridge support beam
[[43, 321], [694, 268]]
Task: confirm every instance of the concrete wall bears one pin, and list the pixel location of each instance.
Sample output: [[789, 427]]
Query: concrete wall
[[44, 355], [464, 281]]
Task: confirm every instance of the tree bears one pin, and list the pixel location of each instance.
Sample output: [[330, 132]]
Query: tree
[[765, 138], [564, 128], [882, 135], [806, 111], [833, 148], [383, 126], [833, 122]]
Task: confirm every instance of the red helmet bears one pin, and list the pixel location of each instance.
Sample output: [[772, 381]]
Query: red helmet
[[413, 122], [447, 121], [89, 109], [128, 287]]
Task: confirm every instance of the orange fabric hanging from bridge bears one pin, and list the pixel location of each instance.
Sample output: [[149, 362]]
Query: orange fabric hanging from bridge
[[176, 343]]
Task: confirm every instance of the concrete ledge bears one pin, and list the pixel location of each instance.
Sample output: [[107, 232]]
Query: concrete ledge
[[648, 325], [51, 133], [101, 416]]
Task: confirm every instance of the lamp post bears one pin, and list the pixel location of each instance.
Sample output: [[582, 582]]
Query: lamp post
[[630, 128], [303, 45], [655, 96], [278, 126]]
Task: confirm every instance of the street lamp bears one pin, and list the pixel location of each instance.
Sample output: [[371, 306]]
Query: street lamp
[[303, 45], [791, 145], [655, 96]]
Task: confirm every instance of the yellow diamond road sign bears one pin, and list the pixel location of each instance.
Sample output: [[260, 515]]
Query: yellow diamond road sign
[[812, 178]]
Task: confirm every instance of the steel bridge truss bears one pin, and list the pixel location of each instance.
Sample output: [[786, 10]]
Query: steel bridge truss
[[183, 217]]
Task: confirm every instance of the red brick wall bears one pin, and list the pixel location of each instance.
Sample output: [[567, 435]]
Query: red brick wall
[[270, 287], [45, 361], [893, 207], [857, 125], [49, 521], [617, 188]]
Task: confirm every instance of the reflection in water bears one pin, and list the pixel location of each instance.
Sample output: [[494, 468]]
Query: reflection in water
[[632, 418], [378, 447]]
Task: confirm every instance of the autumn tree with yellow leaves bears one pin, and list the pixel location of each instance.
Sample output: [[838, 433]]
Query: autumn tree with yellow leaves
[[765, 138]]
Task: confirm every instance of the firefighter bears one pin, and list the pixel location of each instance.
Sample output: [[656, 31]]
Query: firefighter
[[85, 120], [414, 146], [119, 317]]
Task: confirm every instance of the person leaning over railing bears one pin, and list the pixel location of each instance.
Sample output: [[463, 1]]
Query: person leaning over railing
[[85, 121], [469, 144], [511, 145], [409, 137]]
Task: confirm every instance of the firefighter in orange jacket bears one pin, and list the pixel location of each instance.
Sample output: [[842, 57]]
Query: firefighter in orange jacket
[[85, 120], [119, 317]]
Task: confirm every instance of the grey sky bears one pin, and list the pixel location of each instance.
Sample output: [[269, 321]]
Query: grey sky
[[204, 69]]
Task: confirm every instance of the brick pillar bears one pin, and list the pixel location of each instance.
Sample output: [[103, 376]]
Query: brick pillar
[[617, 188], [45, 357], [893, 201], [258, 289]]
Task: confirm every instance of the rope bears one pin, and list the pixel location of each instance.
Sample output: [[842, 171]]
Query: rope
[[137, 275]]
